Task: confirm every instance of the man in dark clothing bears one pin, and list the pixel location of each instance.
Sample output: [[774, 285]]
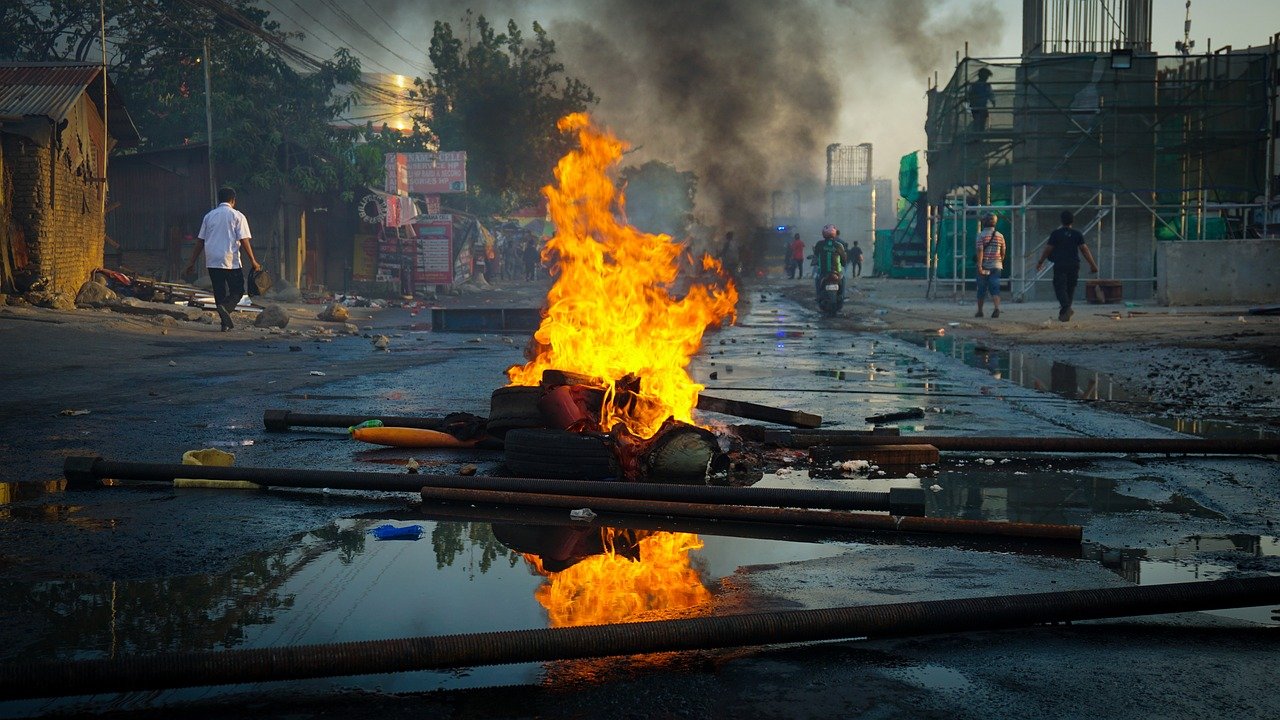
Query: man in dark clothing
[[1061, 250], [855, 259]]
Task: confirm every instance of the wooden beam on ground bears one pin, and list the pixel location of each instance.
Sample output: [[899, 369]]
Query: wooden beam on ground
[[753, 411]]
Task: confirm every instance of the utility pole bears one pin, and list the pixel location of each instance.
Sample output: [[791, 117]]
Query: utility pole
[[102, 187], [208, 124]]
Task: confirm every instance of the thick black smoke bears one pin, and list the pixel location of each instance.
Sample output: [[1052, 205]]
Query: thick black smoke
[[745, 93]]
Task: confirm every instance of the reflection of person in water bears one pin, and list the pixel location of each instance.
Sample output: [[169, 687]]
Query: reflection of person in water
[[1062, 380]]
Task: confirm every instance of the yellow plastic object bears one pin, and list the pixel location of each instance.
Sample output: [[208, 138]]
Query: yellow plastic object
[[216, 458], [409, 437]]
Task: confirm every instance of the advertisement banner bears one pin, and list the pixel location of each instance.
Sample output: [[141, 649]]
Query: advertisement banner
[[429, 173], [364, 263], [434, 262]]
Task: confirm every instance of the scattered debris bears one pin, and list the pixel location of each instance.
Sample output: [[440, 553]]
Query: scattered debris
[[73, 413], [173, 363], [95, 295], [467, 470], [248, 352], [391, 532], [335, 312], [317, 373], [912, 414], [272, 316], [583, 514], [381, 342], [412, 466], [935, 487]]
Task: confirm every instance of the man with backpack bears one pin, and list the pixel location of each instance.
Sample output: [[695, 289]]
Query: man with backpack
[[829, 256]]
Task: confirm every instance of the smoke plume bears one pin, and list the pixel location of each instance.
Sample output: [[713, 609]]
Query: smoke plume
[[745, 93]]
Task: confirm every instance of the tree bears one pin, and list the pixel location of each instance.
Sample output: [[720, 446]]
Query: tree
[[272, 107], [499, 99], [660, 198]]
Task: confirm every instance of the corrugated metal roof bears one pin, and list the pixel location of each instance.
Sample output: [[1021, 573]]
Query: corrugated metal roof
[[45, 89], [50, 89]]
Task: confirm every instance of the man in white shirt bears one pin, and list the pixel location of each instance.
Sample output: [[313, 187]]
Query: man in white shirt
[[223, 233]]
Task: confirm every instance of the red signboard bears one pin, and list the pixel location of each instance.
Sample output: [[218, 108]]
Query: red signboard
[[433, 264], [430, 173]]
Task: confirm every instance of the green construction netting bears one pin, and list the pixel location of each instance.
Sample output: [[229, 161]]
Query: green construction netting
[[909, 176]]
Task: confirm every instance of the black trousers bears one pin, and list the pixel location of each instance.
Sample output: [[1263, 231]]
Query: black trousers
[[1064, 285], [228, 288]]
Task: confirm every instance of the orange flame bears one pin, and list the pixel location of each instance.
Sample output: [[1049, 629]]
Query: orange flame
[[611, 312], [610, 588]]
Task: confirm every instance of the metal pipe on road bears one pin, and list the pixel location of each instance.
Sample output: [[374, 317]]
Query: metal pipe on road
[[1170, 446], [282, 420], [839, 519], [188, 669], [82, 471], [897, 501]]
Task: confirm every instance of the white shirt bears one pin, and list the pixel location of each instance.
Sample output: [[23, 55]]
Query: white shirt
[[222, 230]]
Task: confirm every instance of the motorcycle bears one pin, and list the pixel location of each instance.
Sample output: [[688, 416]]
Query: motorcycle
[[830, 297]]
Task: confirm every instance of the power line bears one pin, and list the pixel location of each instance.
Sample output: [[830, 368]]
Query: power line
[[391, 27], [361, 29], [313, 36], [297, 55]]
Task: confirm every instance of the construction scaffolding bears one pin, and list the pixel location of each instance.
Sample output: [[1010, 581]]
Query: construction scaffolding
[[1142, 148]]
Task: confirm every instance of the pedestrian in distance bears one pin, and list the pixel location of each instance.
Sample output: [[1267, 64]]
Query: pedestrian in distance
[[990, 262], [980, 96], [1063, 249], [855, 260], [531, 258], [224, 232], [795, 257]]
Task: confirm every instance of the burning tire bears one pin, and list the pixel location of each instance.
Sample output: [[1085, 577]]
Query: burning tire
[[559, 454], [514, 407]]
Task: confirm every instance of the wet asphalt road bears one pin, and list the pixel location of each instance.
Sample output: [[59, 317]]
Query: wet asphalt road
[[121, 571]]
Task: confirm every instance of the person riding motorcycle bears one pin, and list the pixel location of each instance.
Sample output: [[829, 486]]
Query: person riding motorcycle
[[829, 256]]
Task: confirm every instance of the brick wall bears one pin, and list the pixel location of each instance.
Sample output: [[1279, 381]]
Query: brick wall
[[59, 210]]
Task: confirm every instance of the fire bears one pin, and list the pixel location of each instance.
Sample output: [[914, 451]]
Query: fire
[[610, 588], [611, 312]]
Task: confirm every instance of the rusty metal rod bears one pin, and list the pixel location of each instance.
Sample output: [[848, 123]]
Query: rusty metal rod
[[525, 515], [282, 420], [82, 471], [898, 501], [64, 677], [1172, 446], [840, 519]]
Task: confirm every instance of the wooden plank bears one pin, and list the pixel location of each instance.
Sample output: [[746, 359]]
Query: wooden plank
[[753, 411]]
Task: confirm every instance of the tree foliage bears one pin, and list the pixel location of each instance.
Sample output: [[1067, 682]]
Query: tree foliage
[[271, 121], [498, 98], [660, 198]]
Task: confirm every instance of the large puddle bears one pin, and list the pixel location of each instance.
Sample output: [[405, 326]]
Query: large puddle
[[1030, 370], [339, 583]]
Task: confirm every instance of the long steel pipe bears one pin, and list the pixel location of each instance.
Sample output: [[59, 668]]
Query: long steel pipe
[[840, 519], [1171, 446], [282, 420], [899, 501], [188, 669]]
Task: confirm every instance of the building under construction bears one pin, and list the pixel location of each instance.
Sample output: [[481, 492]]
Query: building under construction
[[1167, 161]]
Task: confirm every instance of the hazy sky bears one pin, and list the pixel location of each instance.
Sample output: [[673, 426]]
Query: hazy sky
[[752, 88]]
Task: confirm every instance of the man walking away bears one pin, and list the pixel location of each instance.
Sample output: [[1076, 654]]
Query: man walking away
[[223, 233], [796, 255], [1061, 251], [990, 263], [855, 259]]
